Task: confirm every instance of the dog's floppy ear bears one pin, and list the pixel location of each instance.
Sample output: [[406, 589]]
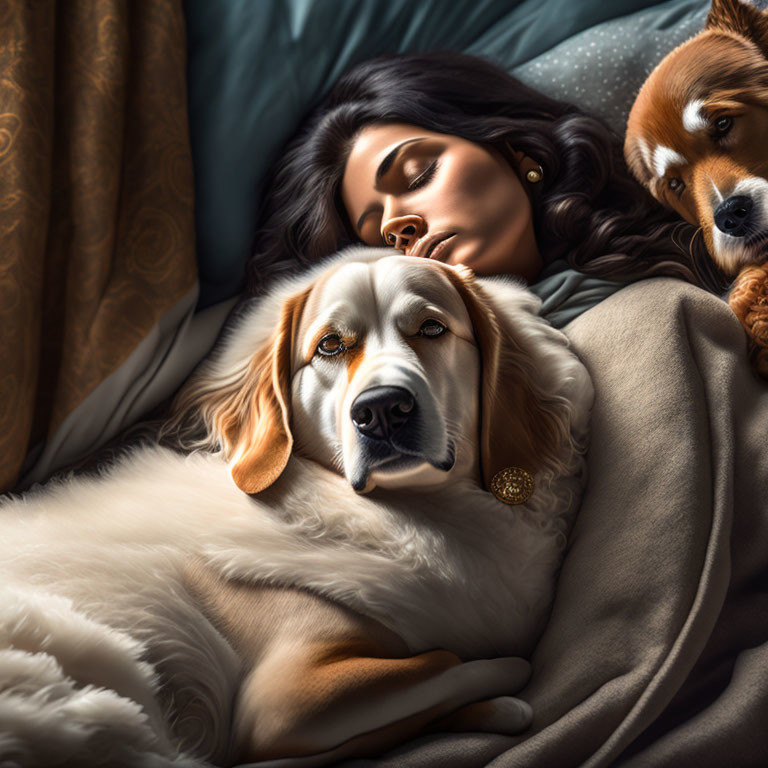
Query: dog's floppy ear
[[519, 425], [261, 435], [742, 18], [242, 401]]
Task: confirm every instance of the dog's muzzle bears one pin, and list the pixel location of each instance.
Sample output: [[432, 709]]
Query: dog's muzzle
[[734, 216], [391, 429]]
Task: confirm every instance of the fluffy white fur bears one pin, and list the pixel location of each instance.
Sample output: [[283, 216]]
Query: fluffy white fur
[[106, 659]]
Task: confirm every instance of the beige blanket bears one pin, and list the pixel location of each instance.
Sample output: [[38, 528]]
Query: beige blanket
[[656, 653]]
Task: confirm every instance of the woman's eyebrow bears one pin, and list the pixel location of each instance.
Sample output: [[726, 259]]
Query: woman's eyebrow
[[388, 161], [383, 169]]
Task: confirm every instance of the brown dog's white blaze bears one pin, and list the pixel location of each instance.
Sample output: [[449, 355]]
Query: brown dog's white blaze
[[698, 131]]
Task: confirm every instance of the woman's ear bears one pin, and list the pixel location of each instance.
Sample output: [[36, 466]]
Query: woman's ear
[[244, 403], [519, 428], [528, 170]]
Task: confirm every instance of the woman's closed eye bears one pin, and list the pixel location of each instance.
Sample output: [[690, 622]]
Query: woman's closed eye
[[424, 177]]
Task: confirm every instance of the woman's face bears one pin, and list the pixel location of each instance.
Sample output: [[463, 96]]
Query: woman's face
[[439, 196]]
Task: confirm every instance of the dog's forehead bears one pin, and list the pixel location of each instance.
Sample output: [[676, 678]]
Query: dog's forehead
[[377, 291], [400, 278], [671, 109], [656, 118]]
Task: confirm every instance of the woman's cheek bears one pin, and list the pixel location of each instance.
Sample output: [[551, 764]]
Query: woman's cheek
[[462, 189], [492, 193]]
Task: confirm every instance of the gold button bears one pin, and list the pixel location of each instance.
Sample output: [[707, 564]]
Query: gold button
[[512, 485]]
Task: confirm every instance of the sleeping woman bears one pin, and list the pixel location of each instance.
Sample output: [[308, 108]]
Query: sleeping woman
[[446, 156]]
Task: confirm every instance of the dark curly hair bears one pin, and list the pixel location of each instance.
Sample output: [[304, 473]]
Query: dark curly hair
[[587, 209]]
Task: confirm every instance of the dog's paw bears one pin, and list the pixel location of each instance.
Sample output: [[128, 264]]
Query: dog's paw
[[749, 301], [508, 715], [504, 714]]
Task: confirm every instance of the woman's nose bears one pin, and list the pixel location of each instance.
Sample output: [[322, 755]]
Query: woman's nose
[[403, 231]]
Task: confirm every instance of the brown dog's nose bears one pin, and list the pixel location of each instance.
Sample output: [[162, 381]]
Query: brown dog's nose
[[734, 216], [378, 412]]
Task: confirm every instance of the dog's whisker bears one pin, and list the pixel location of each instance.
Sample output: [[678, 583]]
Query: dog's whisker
[[758, 237], [337, 459]]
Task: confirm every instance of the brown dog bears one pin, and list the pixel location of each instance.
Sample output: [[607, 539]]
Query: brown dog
[[697, 138]]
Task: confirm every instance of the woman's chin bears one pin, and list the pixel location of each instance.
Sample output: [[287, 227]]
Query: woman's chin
[[468, 254], [489, 260], [479, 257]]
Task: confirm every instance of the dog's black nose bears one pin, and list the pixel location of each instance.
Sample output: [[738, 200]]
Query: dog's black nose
[[378, 412], [734, 215]]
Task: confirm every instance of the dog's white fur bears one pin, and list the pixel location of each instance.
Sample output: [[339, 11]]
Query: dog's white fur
[[94, 612], [737, 252]]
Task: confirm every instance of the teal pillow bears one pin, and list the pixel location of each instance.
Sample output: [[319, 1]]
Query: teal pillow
[[257, 66], [602, 68]]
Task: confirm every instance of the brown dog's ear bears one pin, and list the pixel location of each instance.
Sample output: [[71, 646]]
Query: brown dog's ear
[[241, 401], [519, 426], [742, 18]]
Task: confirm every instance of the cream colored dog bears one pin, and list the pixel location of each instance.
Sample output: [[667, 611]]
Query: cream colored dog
[[327, 574]]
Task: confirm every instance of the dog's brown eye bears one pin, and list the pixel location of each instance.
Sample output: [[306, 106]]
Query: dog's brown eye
[[722, 125], [432, 328], [330, 345], [676, 185]]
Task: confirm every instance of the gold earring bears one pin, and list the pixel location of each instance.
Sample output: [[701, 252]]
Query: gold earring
[[535, 175], [512, 485]]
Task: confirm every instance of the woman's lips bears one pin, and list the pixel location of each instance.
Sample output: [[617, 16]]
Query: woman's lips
[[437, 250]]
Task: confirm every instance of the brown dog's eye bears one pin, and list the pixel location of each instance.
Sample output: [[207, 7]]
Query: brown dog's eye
[[330, 345], [676, 185], [432, 328], [722, 126]]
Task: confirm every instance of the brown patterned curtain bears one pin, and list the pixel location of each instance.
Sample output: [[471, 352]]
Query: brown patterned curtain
[[96, 200]]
